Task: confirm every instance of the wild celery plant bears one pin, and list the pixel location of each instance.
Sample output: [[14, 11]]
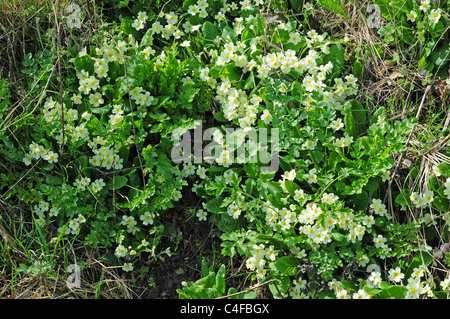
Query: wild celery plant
[[315, 222]]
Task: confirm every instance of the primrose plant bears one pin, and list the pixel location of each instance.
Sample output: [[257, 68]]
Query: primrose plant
[[258, 119]]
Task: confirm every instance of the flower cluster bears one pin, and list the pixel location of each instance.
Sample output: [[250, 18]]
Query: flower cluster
[[104, 155], [40, 152], [260, 256], [74, 225], [432, 15], [257, 84], [422, 200]]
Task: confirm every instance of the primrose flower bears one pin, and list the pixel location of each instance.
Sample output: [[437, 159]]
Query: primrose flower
[[289, 175], [445, 283], [128, 220], [201, 214], [74, 224], [375, 278], [138, 24], [147, 218], [436, 171], [97, 185], [193, 10], [395, 275], [201, 172], [435, 15], [189, 169], [233, 210], [336, 125], [51, 157], [380, 241], [428, 196], [157, 27], [177, 195], [27, 160], [76, 99], [329, 198], [294, 38], [411, 16], [142, 16], [127, 267], [53, 212], [185, 44], [308, 6], [424, 5], [361, 294], [96, 99], [171, 17]]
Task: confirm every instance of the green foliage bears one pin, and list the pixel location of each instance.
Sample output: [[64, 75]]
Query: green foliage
[[333, 6], [211, 285], [165, 106], [418, 28]]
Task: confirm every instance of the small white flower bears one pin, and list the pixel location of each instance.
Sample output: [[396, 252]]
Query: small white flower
[[186, 44]]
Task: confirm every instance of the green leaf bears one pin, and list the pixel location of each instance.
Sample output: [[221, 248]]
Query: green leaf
[[381, 111], [444, 169], [403, 198], [333, 6], [287, 264], [372, 291], [441, 203], [117, 182], [283, 284], [95, 126], [349, 285], [82, 162], [360, 201], [336, 56], [249, 82], [441, 55], [258, 24], [186, 95], [231, 291], [350, 124], [249, 295], [215, 206], [372, 186], [406, 35], [291, 187], [209, 30], [394, 292], [296, 4], [357, 68], [128, 29], [339, 240], [84, 63], [252, 170], [422, 64], [208, 281], [359, 114], [220, 117], [205, 269], [268, 187], [229, 32], [220, 280], [421, 259], [230, 72], [147, 39], [187, 4], [54, 180], [228, 224], [136, 70]]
